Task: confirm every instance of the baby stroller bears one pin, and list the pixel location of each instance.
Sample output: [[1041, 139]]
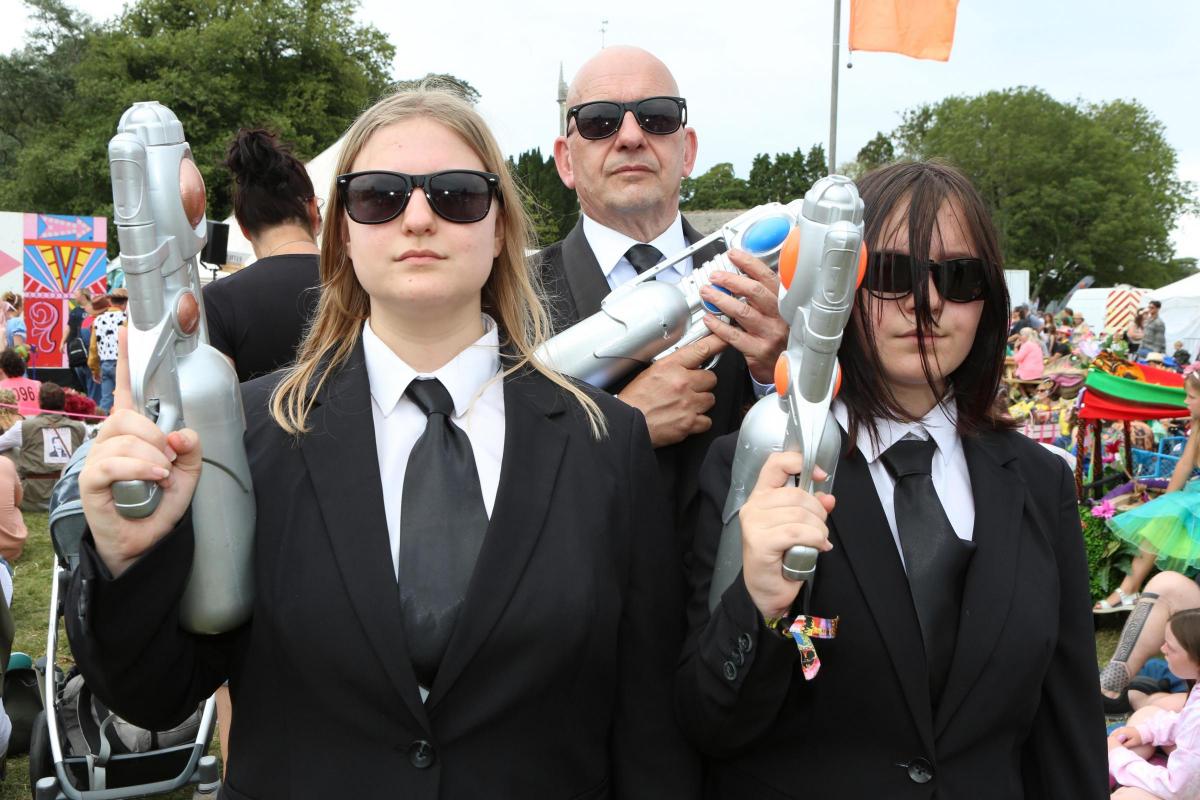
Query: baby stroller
[[79, 750]]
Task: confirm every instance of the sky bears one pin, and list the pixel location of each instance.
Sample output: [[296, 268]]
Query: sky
[[756, 73]]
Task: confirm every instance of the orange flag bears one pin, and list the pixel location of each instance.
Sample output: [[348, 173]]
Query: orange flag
[[916, 28]]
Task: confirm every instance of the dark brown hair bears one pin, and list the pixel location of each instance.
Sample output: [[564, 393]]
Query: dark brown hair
[[270, 186], [11, 363], [923, 188], [51, 397], [1186, 627]]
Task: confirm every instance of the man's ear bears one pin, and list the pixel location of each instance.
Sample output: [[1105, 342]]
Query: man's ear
[[562, 162], [690, 148]]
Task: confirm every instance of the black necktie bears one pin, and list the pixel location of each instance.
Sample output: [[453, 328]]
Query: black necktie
[[442, 525], [934, 557], [643, 257]]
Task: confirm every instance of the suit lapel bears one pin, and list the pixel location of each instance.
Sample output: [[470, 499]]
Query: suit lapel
[[341, 458], [585, 278], [861, 530], [533, 450], [987, 591]]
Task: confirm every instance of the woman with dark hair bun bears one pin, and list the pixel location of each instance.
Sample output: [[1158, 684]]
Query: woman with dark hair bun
[[962, 659], [277, 210]]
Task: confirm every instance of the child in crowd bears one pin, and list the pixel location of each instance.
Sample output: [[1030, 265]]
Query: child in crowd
[[1167, 529], [1181, 357], [1131, 747]]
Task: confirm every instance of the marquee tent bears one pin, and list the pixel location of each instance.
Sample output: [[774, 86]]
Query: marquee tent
[[1181, 313]]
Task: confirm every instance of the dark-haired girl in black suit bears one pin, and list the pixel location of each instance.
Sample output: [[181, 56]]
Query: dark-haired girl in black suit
[[964, 661]]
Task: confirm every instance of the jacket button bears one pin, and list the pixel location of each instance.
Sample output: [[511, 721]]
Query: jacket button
[[421, 754], [730, 671], [920, 771], [738, 658], [745, 643]]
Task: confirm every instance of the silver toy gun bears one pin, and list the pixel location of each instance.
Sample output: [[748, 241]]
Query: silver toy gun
[[177, 378], [820, 267], [645, 319]]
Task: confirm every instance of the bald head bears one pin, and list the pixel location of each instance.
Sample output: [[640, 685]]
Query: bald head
[[629, 180], [615, 70]]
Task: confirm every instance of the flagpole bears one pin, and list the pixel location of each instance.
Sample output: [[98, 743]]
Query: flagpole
[[833, 88]]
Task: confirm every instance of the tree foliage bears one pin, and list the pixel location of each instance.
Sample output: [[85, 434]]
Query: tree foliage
[[553, 207], [299, 67], [781, 179], [1074, 188]]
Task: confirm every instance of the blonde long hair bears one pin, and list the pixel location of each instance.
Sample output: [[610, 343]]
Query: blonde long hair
[[511, 294]]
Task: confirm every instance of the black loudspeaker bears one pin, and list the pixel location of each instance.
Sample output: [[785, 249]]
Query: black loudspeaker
[[216, 249]]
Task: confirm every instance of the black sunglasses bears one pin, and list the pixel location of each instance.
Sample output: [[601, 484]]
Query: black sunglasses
[[600, 119], [890, 276], [376, 196]]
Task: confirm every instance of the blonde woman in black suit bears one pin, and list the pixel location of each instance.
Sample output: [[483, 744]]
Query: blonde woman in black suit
[[465, 589]]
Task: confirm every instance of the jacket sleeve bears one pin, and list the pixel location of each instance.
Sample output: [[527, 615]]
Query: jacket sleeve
[[126, 637], [735, 673], [1065, 753], [650, 756]]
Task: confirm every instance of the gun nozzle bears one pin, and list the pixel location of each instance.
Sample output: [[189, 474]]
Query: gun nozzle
[[862, 264]]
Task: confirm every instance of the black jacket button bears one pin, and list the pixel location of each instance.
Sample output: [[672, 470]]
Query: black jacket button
[[730, 671], [738, 658], [421, 754], [746, 643], [920, 771]]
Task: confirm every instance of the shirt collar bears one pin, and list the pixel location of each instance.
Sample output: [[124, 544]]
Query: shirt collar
[[940, 424], [464, 376], [610, 246]]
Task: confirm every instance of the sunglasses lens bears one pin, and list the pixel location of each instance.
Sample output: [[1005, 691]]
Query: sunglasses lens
[[598, 120], [961, 280], [376, 197], [889, 276], [660, 115], [460, 196]]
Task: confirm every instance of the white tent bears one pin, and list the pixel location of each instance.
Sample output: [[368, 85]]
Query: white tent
[[320, 171], [1181, 313]]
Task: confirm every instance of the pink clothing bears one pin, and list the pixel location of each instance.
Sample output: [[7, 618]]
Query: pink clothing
[[1029, 361], [12, 525], [27, 394], [1180, 778]]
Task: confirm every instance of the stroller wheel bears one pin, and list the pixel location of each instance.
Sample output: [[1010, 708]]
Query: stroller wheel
[[41, 763]]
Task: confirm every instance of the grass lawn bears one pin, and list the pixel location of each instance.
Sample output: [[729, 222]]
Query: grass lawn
[[31, 614]]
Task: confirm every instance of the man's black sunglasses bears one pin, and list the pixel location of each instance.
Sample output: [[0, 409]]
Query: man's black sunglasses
[[376, 196], [600, 119], [890, 276]]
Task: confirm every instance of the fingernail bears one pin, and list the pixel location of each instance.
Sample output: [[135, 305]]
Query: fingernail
[[170, 453], [161, 472]]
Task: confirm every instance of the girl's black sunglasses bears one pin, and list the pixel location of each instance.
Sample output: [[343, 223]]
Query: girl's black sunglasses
[[890, 276], [373, 197]]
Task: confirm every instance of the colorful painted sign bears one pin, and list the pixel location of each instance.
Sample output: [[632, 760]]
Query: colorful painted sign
[[57, 255]]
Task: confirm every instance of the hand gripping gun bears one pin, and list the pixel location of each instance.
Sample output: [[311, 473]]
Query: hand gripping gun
[[821, 265], [177, 378], [645, 320]]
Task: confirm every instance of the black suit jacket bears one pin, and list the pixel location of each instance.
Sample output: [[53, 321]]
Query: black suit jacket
[[575, 285], [1020, 716], [557, 679]]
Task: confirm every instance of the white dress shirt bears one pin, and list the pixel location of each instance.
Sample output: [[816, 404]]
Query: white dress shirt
[[473, 380], [610, 247], [951, 480]]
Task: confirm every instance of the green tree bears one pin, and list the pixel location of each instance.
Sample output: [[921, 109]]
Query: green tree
[[717, 188], [874, 154], [1074, 188], [553, 207], [295, 66]]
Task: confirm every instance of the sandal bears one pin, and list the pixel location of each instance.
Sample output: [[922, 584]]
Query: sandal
[[1125, 602]]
